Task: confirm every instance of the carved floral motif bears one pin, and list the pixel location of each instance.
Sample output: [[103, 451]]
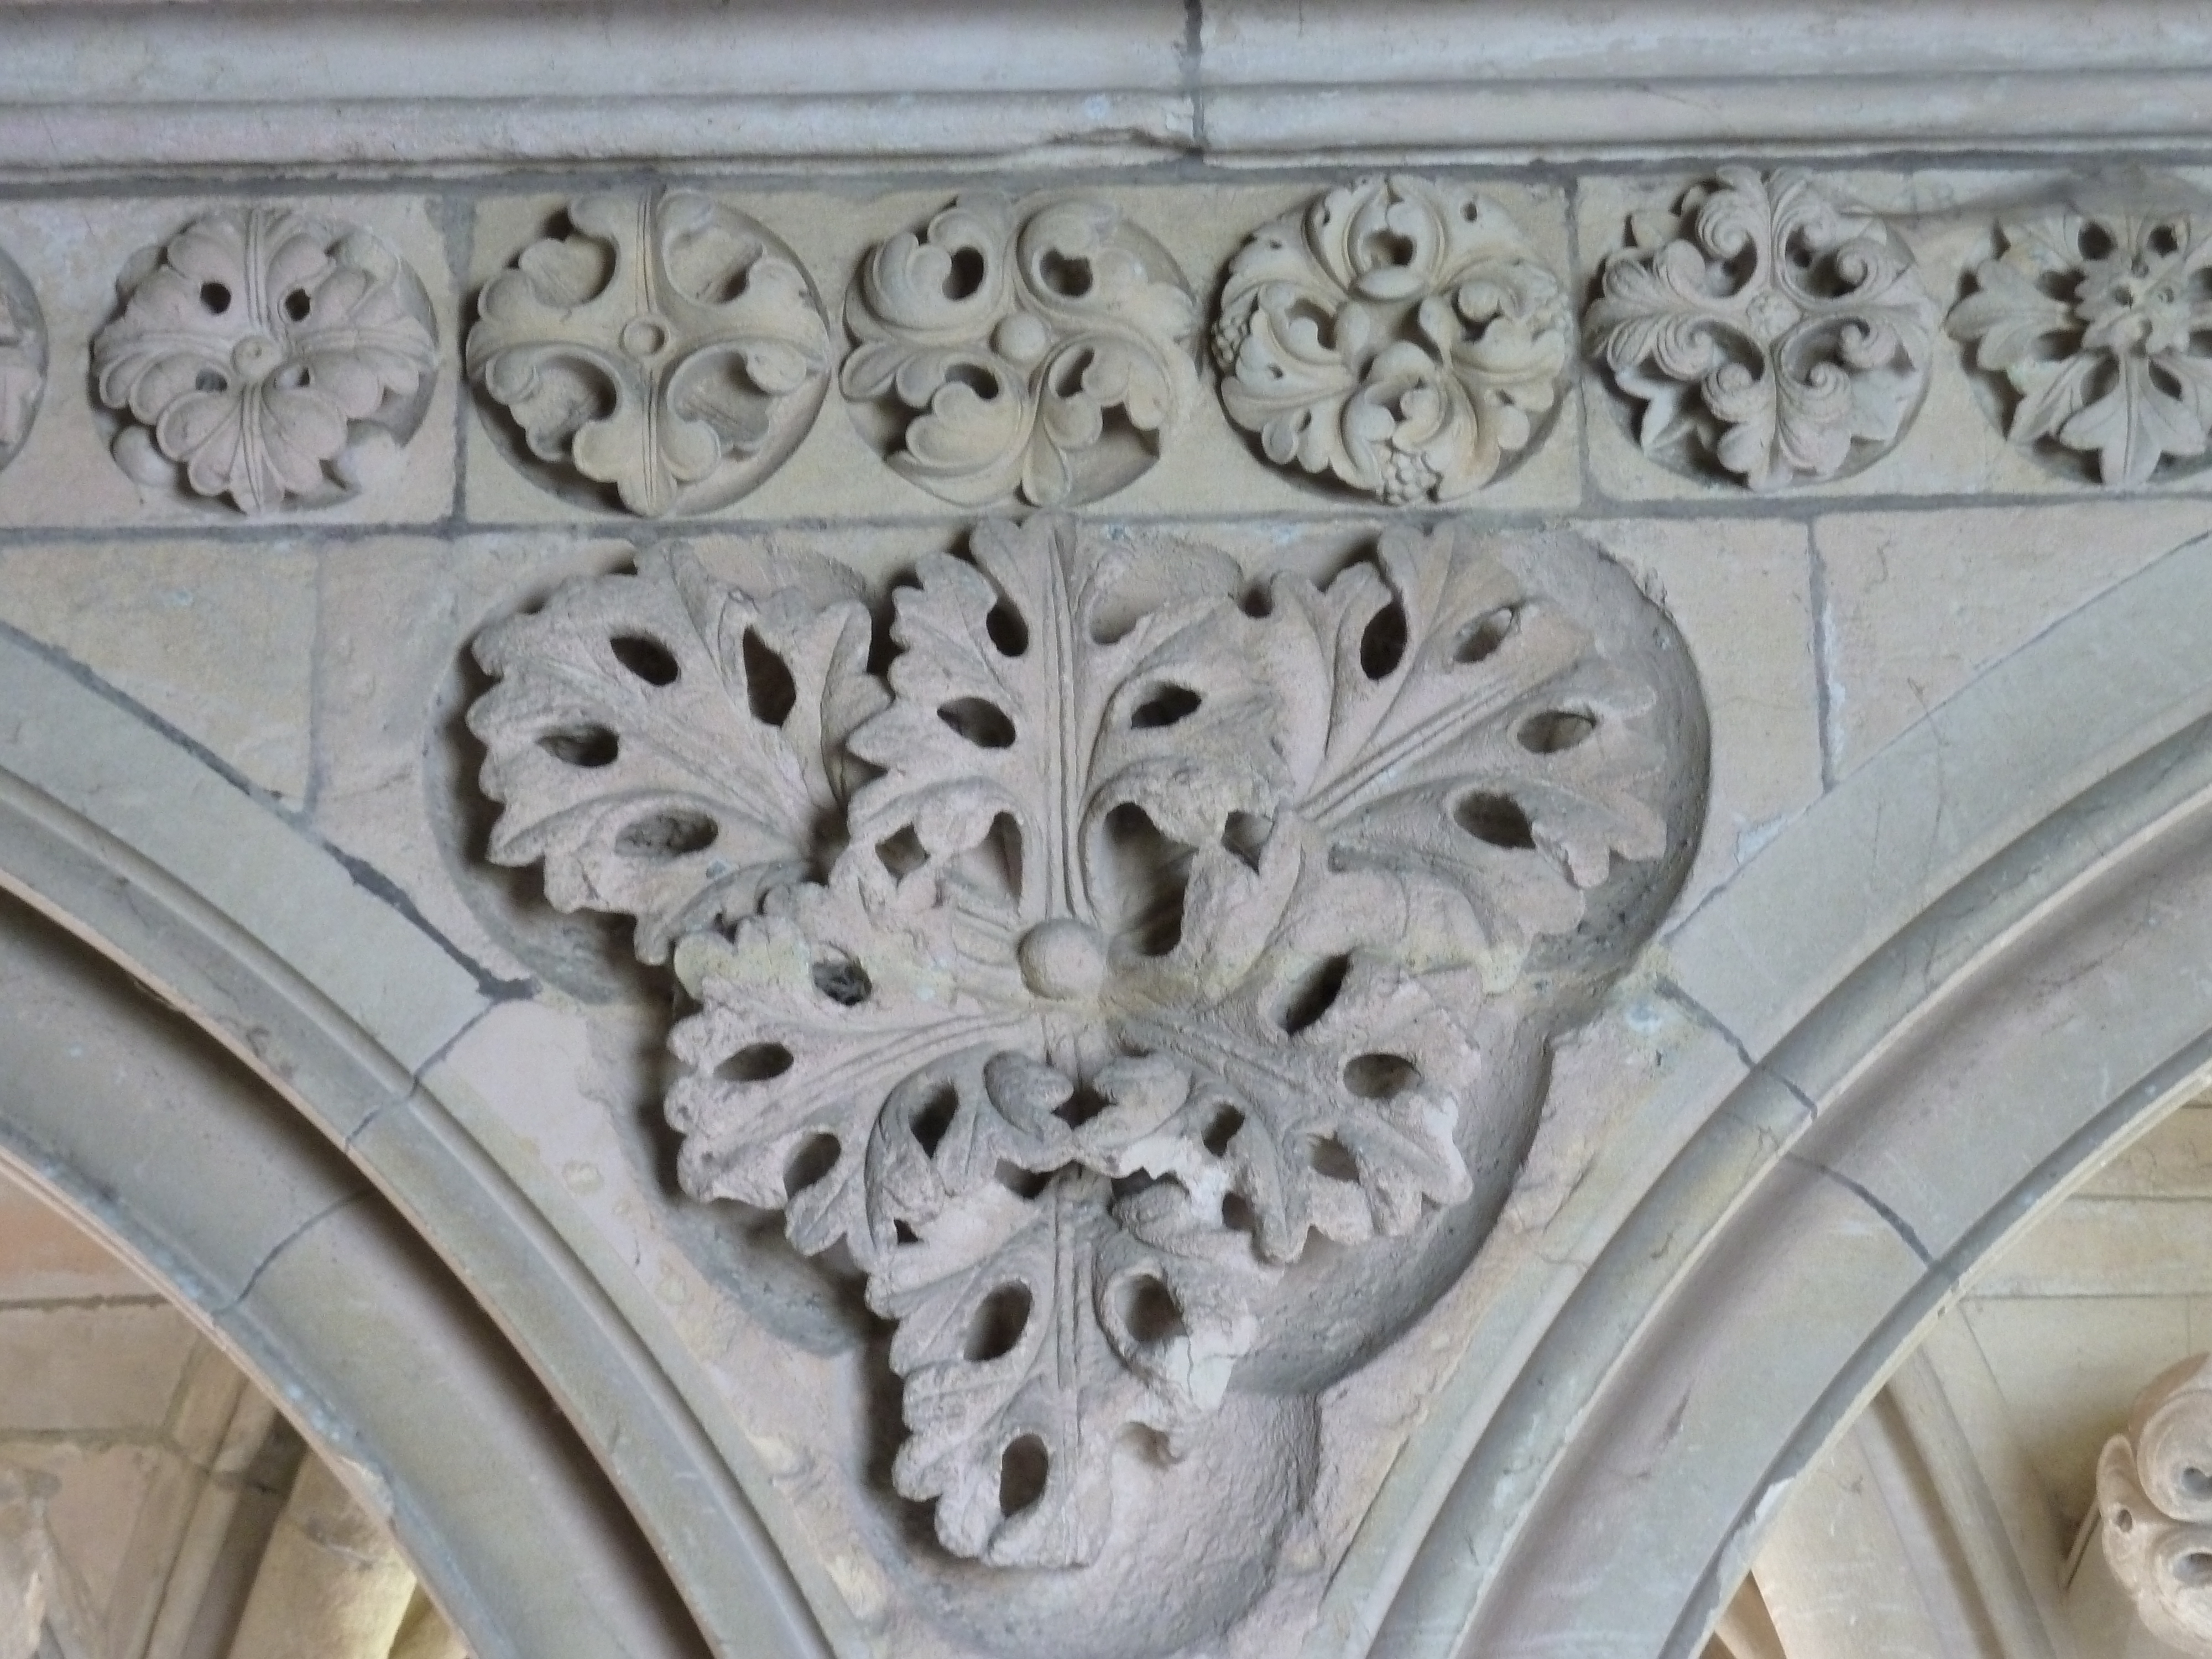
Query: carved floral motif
[[2095, 320], [1766, 329], [1037, 351], [23, 359], [1126, 940], [1399, 335], [669, 346], [2155, 1494], [263, 352]]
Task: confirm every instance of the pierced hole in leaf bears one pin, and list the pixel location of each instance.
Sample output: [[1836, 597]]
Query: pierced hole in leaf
[[2194, 1570], [843, 982], [1065, 374], [588, 746], [210, 380], [667, 836], [649, 659], [1556, 731], [1237, 1214], [215, 297], [1022, 1183], [2163, 240], [1149, 1312], [2195, 1483], [1167, 705], [757, 1062], [1137, 1180], [903, 1234], [983, 724], [1223, 1130], [1382, 647], [993, 865], [290, 378], [1380, 1077], [928, 1126], [1390, 248], [1496, 820], [1023, 1468], [1079, 1108], [1257, 601], [976, 378], [1069, 278], [2095, 240], [1480, 638], [1146, 874], [903, 853], [1332, 1160], [1314, 994], [769, 688], [1007, 631], [813, 1158], [298, 304], [997, 1324], [1245, 834], [965, 273]]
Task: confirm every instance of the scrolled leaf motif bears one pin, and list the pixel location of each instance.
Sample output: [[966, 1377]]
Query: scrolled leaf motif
[[1399, 335], [2094, 318], [1766, 330], [1158, 941], [22, 358], [1038, 351], [669, 347], [260, 350], [2157, 1508]]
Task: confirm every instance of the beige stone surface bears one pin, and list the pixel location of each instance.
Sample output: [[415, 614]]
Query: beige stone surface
[[42, 1388], [216, 641], [1916, 603], [46, 1256]]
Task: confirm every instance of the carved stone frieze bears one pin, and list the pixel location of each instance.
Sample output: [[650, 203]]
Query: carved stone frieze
[[261, 353], [1038, 351], [23, 359], [1397, 335], [1766, 329], [1141, 928], [2095, 320], [2155, 1493], [667, 349]]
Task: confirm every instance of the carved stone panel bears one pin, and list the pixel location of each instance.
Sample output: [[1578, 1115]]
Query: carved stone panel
[[2154, 1493], [1144, 926], [261, 353], [23, 359]]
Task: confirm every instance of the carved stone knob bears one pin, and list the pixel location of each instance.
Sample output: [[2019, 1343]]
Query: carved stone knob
[[2154, 1493]]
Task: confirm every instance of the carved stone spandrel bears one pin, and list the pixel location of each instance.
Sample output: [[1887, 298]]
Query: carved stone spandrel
[[266, 355], [1037, 351], [665, 353], [2154, 1496], [1141, 928], [2093, 317], [1399, 335], [1771, 332]]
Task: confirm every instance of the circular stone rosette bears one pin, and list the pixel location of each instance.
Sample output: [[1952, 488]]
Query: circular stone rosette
[[269, 357], [1079, 980], [1400, 336], [1770, 333], [23, 359], [665, 355]]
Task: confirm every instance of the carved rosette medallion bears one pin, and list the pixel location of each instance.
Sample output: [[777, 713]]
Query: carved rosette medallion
[[266, 355], [1138, 929], [23, 359], [2155, 1495], [2096, 321], [1767, 329], [669, 351], [1022, 350], [1400, 336]]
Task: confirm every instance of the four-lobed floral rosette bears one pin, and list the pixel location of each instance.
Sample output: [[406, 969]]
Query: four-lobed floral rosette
[[1137, 931], [1397, 335]]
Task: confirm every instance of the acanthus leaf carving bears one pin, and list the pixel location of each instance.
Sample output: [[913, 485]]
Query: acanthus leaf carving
[[2154, 1497], [1159, 940], [2093, 319], [669, 347], [1037, 351], [23, 359], [1399, 335], [1766, 329], [259, 352]]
